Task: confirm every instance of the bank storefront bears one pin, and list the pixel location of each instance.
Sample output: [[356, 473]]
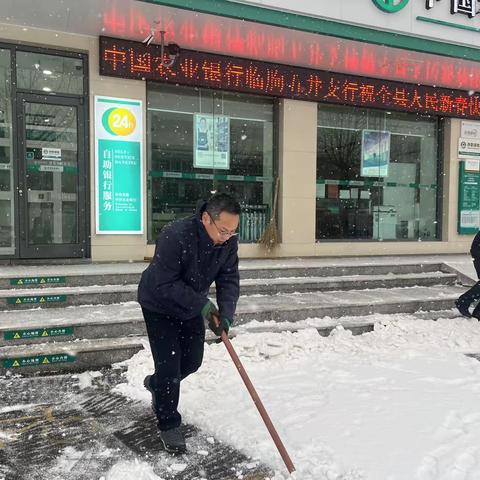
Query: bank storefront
[[374, 136]]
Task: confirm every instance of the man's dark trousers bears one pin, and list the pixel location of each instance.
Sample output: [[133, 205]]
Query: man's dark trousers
[[473, 293], [177, 350]]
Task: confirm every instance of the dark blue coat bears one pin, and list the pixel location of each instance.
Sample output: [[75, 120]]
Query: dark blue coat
[[185, 264], [475, 249]]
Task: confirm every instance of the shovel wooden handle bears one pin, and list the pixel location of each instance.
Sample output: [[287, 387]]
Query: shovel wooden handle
[[256, 399]]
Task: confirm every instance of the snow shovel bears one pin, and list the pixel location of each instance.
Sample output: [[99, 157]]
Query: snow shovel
[[256, 400]]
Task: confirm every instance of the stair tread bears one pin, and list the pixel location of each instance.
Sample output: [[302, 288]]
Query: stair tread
[[70, 347], [326, 323], [130, 311], [343, 278], [45, 291], [119, 268], [117, 288]]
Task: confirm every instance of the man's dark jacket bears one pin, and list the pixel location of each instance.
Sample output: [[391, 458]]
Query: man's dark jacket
[[475, 249], [185, 264]]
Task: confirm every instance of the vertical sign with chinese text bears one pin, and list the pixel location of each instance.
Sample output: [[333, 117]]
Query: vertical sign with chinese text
[[469, 197], [118, 166]]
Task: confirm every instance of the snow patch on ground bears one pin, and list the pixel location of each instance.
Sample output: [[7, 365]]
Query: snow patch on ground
[[128, 470], [398, 403]]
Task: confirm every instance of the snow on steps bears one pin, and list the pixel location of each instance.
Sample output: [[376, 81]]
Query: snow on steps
[[111, 328], [53, 296]]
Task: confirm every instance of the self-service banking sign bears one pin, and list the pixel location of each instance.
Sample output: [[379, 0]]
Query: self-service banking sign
[[118, 166]]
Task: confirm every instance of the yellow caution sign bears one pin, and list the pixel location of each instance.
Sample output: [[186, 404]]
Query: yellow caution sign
[[42, 300], [18, 301], [45, 361], [45, 333], [15, 364], [17, 335], [20, 282]]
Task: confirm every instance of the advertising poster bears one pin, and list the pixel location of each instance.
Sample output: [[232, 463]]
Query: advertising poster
[[375, 156], [211, 145], [469, 197], [118, 166]]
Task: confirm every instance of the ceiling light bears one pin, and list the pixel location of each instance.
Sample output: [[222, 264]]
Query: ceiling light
[[47, 72]]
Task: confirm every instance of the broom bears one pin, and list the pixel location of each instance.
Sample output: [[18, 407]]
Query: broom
[[270, 236]]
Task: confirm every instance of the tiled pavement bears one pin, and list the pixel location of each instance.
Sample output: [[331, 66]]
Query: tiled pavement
[[58, 431]]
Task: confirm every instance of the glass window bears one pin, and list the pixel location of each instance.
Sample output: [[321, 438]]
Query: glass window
[[6, 171], [396, 199], [49, 73], [201, 141]]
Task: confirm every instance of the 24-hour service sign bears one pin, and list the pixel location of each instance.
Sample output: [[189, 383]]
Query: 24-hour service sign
[[118, 166]]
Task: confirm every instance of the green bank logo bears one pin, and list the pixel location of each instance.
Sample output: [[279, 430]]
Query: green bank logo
[[390, 6]]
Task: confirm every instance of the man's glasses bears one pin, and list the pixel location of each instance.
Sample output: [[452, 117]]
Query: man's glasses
[[223, 232]]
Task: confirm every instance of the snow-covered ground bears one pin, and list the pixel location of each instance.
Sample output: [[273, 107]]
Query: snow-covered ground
[[399, 403]]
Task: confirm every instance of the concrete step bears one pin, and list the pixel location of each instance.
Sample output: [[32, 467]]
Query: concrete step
[[285, 284], [96, 353], [47, 276], [117, 320], [129, 273], [68, 356], [332, 270], [108, 294]]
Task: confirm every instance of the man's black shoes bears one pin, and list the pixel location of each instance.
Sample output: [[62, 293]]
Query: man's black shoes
[[148, 386], [462, 308], [173, 440]]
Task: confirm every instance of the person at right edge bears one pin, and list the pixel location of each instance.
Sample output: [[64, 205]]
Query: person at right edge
[[190, 255], [465, 300]]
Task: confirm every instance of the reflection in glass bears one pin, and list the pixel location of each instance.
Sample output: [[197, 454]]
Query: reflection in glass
[[51, 158], [49, 73], [175, 185], [6, 171], [399, 206]]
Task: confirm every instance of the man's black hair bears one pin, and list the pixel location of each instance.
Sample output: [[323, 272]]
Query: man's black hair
[[222, 202]]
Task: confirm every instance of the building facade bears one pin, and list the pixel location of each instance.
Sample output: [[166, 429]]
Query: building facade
[[365, 114]]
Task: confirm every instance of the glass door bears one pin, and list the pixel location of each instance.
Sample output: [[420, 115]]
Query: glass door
[[7, 184], [51, 177]]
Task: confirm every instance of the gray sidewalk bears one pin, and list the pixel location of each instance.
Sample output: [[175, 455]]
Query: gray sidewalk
[[58, 431]]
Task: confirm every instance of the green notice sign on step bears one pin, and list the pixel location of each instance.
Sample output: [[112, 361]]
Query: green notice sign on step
[[41, 299], [37, 333], [36, 280], [38, 361]]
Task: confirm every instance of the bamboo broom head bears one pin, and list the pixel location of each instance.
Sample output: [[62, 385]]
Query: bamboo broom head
[[270, 237]]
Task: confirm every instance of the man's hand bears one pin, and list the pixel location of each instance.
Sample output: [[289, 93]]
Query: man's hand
[[219, 325], [208, 311]]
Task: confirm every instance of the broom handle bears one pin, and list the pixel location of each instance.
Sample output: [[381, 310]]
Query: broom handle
[[275, 198], [258, 403]]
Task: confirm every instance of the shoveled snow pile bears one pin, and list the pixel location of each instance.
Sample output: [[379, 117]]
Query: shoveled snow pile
[[399, 403]]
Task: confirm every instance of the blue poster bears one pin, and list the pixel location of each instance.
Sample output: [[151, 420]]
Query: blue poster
[[375, 153]]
